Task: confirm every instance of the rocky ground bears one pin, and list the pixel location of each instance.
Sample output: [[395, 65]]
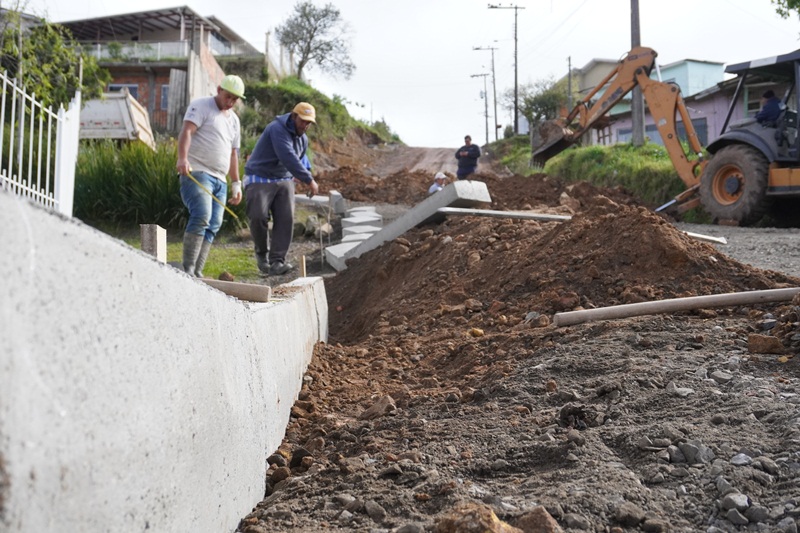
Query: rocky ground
[[445, 399]]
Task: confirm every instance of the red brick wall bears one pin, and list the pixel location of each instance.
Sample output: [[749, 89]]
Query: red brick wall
[[158, 117], [140, 81]]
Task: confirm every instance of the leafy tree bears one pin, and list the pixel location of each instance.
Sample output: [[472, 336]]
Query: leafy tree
[[49, 59], [317, 36], [538, 101], [785, 7]]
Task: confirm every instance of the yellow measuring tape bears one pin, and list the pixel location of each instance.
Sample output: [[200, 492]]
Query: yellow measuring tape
[[212, 195]]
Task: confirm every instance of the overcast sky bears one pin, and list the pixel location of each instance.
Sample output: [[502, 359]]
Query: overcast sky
[[417, 70]]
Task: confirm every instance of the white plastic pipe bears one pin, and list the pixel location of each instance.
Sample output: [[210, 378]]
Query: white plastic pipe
[[676, 304]]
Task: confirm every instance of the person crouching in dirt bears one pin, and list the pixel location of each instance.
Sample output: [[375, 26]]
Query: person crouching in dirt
[[467, 157], [269, 182], [439, 181]]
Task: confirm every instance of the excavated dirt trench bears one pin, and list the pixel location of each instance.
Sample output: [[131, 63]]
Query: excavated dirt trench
[[446, 401]]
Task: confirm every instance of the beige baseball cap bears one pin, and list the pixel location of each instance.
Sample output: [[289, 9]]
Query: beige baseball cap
[[306, 111]]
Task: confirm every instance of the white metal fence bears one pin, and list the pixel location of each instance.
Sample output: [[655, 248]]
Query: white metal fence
[[38, 147]]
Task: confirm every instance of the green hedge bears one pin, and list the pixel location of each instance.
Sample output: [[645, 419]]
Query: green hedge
[[646, 171], [128, 183]]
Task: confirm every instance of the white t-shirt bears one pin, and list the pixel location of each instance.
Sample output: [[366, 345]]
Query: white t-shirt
[[435, 188], [218, 132]]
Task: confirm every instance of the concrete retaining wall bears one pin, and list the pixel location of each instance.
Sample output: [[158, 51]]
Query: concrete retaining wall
[[133, 397]]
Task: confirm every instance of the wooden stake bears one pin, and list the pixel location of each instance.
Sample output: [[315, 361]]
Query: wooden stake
[[303, 266], [154, 241]]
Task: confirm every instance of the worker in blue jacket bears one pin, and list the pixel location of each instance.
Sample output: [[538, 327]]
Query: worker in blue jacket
[[467, 157], [274, 167], [770, 108]]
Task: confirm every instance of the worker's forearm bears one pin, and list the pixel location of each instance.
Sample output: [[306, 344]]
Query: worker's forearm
[[184, 141], [234, 167]]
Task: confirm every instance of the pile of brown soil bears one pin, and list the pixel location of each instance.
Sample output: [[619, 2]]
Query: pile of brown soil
[[404, 188], [608, 254]]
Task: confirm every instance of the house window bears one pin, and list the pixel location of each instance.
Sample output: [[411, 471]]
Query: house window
[[753, 101], [604, 135], [165, 97], [133, 89]]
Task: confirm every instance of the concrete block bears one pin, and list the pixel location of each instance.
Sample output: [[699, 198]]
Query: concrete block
[[321, 203], [362, 210], [356, 237], [463, 193], [335, 255], [337, 202], [362, 220], [360, 229]]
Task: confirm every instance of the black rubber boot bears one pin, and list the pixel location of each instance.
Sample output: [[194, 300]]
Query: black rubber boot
[[201, 258], [191, 250]]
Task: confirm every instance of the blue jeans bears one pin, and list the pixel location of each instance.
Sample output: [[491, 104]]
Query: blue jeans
[[205, 215]]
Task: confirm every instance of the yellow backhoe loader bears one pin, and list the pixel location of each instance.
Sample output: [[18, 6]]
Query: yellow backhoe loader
[[752, 164]]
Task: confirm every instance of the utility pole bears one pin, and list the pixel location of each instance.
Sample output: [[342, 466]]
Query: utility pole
[[516, 8], [569, 83], [485, 103], [494, 90], [637, 102]]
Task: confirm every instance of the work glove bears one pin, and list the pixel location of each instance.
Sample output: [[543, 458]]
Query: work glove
[[236, 192]]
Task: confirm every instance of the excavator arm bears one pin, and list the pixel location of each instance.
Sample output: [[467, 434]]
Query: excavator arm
[[621, 81], [665, 102], [663, 99]]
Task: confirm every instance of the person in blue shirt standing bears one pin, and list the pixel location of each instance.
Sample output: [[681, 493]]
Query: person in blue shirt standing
[[770, 108], [467, 157], [276, 164]]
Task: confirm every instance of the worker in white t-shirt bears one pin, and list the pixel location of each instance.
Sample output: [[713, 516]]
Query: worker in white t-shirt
[[208, 151]]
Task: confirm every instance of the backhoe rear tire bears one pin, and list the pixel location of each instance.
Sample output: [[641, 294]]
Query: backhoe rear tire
[[734, 185]]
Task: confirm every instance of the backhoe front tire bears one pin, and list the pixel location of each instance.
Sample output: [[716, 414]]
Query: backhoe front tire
[[734, 185]]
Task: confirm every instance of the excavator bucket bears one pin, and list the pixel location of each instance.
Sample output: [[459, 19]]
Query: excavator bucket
[[549, 140]]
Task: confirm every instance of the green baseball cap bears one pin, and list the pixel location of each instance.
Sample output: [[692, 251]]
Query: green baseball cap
[[234, 85]]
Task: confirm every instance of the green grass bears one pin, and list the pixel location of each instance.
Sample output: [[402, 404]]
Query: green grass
[[228, 254], [646, 171]]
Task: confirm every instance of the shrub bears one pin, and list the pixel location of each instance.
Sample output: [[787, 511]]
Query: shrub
[[128, 183]]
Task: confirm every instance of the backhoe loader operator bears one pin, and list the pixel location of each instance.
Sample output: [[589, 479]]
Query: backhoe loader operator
[[770, 109]]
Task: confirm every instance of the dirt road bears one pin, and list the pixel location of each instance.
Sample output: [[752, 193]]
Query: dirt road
[[768, 248], [445, 398]]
